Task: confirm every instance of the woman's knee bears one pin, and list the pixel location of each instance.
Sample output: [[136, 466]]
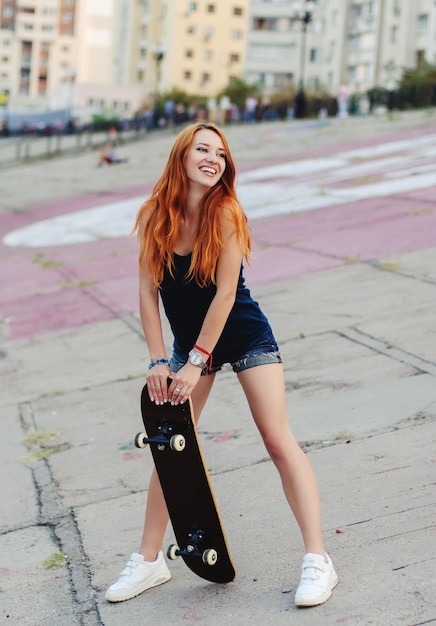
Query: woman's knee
[[282, 447]]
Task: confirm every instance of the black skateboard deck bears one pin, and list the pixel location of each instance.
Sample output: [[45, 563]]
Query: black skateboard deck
[[172, 435]]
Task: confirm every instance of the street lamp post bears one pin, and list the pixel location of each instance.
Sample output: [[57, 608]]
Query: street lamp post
[[303, 15], [158, 53]]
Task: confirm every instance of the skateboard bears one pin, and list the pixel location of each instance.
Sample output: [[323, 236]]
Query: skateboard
[[172, 436]]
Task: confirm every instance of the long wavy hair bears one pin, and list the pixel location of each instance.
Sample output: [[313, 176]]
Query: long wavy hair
[[158, 221]]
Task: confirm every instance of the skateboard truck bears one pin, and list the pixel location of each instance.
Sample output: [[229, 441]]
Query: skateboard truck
[[193, 548], [166, 437]]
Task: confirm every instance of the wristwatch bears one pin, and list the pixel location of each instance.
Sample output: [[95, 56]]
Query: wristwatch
[[196, 358]]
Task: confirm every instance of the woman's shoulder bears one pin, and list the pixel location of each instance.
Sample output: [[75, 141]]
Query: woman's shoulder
[[231, 209]]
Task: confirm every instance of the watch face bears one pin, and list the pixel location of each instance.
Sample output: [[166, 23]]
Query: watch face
[[196, 358]]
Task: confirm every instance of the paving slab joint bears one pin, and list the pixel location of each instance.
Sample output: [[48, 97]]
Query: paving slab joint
[[64, 531], [420, 365], [385, 266]]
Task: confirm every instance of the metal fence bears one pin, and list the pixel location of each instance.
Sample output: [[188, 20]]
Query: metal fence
[[29, 147]]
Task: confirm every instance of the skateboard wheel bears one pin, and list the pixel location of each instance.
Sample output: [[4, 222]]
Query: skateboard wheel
[[177, 443], [140, 440], [210, 557], [173, 552]]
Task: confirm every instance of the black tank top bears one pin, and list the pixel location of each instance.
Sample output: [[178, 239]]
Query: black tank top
[[186, 305]]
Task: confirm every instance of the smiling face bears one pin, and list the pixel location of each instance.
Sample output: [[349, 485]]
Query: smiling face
[[206, 159]]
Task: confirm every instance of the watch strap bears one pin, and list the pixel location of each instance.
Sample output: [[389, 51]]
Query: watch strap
[[209, 354]]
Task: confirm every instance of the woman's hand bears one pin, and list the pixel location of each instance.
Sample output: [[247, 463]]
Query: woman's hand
[[183, 383], [157, 384]]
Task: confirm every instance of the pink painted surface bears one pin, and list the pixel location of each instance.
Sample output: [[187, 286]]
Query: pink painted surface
[[92, 282]]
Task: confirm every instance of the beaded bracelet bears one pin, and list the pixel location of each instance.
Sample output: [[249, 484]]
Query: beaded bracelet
[[158, 362]]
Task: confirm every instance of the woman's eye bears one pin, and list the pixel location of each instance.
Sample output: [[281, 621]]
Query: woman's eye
[[221, 155]]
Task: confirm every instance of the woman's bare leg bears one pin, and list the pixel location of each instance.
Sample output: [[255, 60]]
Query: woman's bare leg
[[156, 514], [265, 391]]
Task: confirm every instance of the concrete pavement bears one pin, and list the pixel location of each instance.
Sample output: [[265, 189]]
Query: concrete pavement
[[349, 284]]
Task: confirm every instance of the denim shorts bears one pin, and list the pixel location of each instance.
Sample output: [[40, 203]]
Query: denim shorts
[[262, 355]]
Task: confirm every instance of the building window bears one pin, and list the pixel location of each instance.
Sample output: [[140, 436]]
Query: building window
[[234, 58], [394, 34], [189, 54], [192, 6], [236, 34], [24, 81], [190, 29], [207, 55], [205, 78], [211, 8], [354, 42], [356, 10], [187, 75], [237, 10], [331, 52], [264, 23], [422, 23], [351, 71], [368, 72], [420, 58], [42, 84], [208, 32]]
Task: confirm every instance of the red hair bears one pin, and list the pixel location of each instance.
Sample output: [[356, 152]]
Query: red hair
[[158, 220]]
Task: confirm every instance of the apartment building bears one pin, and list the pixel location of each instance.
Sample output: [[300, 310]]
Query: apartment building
[[204, 44], [364, 43], [74, 53], [120, 54], [32, 34]]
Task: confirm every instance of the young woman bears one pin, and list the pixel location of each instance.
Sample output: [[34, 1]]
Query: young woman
[[193, 238]]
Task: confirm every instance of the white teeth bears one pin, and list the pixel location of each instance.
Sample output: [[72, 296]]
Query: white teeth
[[208, 169]]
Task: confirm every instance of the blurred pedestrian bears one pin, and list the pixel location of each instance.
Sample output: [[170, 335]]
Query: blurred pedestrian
[[109, 155]]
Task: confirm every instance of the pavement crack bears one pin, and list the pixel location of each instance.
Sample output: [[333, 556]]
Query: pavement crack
[[423, 366], [64, 530], [399, 272]]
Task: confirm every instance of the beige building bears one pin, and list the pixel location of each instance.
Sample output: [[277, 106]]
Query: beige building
[[120, 54], [204, 43]]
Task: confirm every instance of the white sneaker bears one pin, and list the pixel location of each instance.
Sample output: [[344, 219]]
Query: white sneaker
[[318, 579], [137, 576]]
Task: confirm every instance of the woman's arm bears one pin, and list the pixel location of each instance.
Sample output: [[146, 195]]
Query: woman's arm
[[152, 327]]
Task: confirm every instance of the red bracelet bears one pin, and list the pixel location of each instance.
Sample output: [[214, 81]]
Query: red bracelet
[[208, 354]]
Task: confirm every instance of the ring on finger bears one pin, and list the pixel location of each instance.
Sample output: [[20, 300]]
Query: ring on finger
[[177, 389]]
